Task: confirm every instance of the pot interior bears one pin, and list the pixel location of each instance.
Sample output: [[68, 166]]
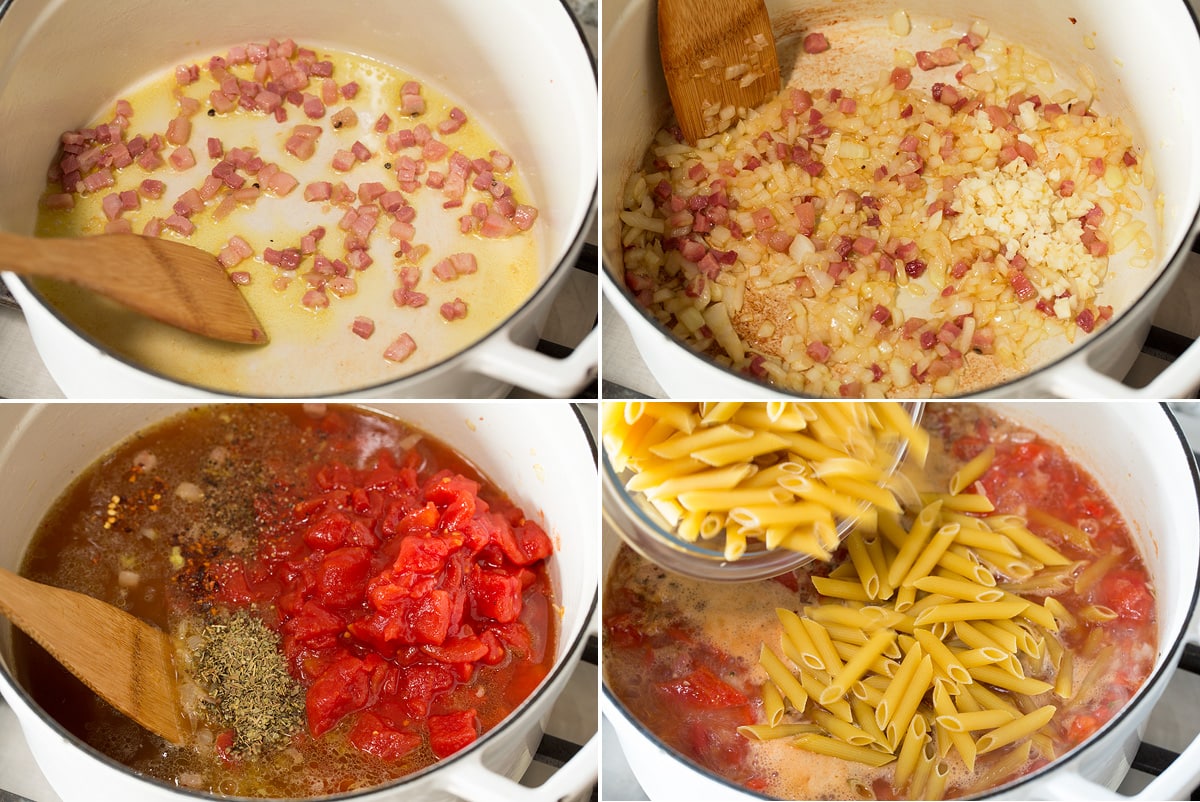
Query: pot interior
[[537, 104], [551, 477], [1142, 461], [1136, 58]]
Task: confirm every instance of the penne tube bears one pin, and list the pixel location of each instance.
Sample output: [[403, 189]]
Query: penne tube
[[964, 502], [840, 506], [891, 413], [819, 637], [911, 747], [715, 479], [794, 631], [902, 680], [725, 500], [825, 745], [799, 514], [720, 411], [684, 445], [1093, 573], [959, 589], [978, 720], [969, 473], [755, 416], [932, 552], [855, 667], [1032, 545], [860, 558], [714, 524], [1064, 680], [946, 661], [765, 732], [655, 472], [864, 717], [841, 589], [1072, 533], [971, 611], [1003, 679], [842, 730], [1022, 727], [772, 703], [740, 450], [879, 560], [862, 490], [976, 538], [783, 678], [914, 543], [911, 698], [735, 543], [1008, 763], [959, 560], [680, 415]]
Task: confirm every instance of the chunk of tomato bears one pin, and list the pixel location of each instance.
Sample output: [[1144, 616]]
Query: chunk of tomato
[[495, 595], [452, 732], [342, 689], [703, 689], [342, 576], [1126, 592], [373, 736]]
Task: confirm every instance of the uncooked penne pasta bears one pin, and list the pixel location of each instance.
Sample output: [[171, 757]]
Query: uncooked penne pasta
[[782, 678], [835, 748], [967, 475], [1022, 727]]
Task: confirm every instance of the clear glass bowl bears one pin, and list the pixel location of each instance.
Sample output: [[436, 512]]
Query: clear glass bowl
[[645, 531]]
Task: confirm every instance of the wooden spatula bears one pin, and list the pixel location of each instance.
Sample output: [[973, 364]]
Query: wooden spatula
[[168, 281], [719, 59], [120, 657]]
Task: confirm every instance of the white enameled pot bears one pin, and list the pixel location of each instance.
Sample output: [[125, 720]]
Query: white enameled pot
[[525, 67], [1139, 455], [540, 453], [1144, 57]]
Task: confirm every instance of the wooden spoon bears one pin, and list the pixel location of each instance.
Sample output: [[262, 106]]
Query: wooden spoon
[[168, 281], [700, 43], [123, 659]]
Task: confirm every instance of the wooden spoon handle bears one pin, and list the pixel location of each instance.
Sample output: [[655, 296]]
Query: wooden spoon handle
[[49, 258], [123, 659]]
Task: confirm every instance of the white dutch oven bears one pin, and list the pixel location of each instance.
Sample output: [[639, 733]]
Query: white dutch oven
[[541, 454], [524, 66], [1145, 58], [1141, 458]]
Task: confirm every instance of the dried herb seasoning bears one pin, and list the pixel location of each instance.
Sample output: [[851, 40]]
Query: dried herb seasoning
[[240, 667]]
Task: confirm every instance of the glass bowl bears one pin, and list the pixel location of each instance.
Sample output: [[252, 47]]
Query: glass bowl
[[645, 530]]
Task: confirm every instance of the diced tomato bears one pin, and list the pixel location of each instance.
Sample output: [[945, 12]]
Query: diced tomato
[[495, 595], [315, 627], [373, 736], [452, 732], [223, 746], [1082, 727], [342, 580], [328, 532], [421, 684], [1126, 592], [340, 690], [395, 584], [701, 688]]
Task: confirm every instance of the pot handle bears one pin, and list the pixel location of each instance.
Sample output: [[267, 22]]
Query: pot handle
[[473, 781], [1176, 782], [1077, 379], [504, 359]]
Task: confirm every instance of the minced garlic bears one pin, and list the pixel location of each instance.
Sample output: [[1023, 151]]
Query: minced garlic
[[1020, 206]]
